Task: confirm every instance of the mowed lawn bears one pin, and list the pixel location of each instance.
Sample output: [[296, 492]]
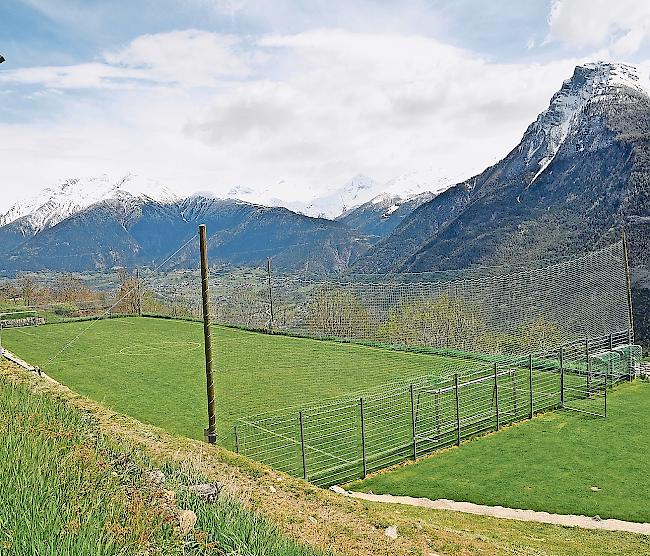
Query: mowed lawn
[[153, 369], [559, 462]]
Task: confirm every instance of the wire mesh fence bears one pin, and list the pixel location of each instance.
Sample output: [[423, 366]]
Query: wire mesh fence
[[345, 439]]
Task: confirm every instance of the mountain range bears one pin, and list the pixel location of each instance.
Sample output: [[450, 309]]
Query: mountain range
[[103, 222], [579, 175], [128, 229]]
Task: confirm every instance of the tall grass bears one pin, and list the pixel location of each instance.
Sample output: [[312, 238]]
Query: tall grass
[[67, 490]]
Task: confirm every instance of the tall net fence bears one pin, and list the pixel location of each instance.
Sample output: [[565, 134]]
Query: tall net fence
[[554, 335], [495, 314], [330, 378]]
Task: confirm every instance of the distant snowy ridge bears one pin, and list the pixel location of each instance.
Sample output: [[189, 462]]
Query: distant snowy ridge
[[361, 190], [71, 196], [55, 204]]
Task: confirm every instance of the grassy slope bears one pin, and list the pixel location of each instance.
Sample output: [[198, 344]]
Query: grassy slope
[[66, 490], [549, 463], [348, 526], [153, 369]]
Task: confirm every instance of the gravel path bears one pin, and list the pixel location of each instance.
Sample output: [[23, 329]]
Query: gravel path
[[505, 513]]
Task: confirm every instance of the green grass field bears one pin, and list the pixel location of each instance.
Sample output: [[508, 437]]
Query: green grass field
[[550, 463], [153, 369]]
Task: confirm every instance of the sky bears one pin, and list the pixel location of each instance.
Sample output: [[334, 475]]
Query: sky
[[288, 97]]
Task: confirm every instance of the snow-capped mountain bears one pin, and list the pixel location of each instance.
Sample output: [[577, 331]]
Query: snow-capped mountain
[[595, 82], [70, 196], [360, 189], [426, 180], [128, 230], [383, 213], [578, 175]]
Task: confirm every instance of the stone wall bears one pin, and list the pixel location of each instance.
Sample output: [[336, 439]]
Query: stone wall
[[27, 321]]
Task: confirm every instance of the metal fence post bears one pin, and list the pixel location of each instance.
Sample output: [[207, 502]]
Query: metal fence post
[[413, 423], [457, 408], [629, 287], [530, 382], [236, 440], [302, 445], [363, 438], [515, 405], [605, 396], [630, 341], [496, 395], [561, 377]]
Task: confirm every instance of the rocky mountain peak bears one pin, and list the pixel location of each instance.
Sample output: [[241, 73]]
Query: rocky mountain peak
[[589, 83]]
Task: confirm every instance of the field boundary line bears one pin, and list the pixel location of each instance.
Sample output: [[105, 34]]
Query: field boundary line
[[284, 437], [565, 520]]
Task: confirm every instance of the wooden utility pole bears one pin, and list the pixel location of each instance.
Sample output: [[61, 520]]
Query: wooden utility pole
[[268, 273], [139, 291], [210, 434]]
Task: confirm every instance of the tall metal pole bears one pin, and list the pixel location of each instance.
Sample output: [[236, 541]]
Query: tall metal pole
[[629, 284], [210, 434]]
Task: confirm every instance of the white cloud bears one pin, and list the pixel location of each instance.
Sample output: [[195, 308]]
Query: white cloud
[[188, 58], [621, 25], [79, 76], [378, 104], [293, 114]]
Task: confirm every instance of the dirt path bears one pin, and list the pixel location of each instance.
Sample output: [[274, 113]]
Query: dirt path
[[505, 513]]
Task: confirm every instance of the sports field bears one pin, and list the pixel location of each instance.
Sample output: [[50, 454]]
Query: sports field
[[153, 369], [559, 462]]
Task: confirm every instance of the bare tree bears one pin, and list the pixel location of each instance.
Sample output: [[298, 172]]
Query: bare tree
[[27, 289]]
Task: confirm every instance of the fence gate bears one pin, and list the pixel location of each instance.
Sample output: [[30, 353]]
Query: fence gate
[[446, 415]]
